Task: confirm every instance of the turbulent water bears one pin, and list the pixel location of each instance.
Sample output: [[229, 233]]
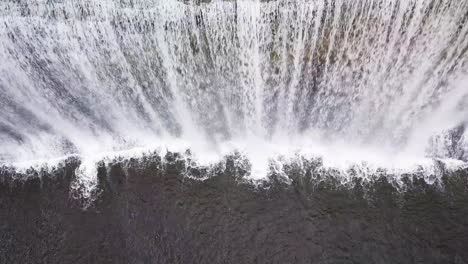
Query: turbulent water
[[248, 131], [382, 82]]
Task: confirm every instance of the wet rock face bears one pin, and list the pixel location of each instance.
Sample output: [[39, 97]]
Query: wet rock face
[[149, 215]]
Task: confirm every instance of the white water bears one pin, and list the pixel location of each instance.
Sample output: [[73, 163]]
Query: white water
[[382, 83]]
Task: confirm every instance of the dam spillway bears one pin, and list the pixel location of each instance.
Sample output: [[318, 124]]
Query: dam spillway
[[319, 105]]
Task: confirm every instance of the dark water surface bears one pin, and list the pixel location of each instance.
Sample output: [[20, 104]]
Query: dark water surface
[[145, 214]]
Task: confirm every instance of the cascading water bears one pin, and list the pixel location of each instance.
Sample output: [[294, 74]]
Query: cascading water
[[376, 81]]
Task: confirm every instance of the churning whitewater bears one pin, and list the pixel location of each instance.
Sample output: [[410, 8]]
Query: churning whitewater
[[380, 83]]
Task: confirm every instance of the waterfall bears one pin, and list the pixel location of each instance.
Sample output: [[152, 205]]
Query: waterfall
[[366, 80]]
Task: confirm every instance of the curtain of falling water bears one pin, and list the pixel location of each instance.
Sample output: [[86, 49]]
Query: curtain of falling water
[[99, 75]]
